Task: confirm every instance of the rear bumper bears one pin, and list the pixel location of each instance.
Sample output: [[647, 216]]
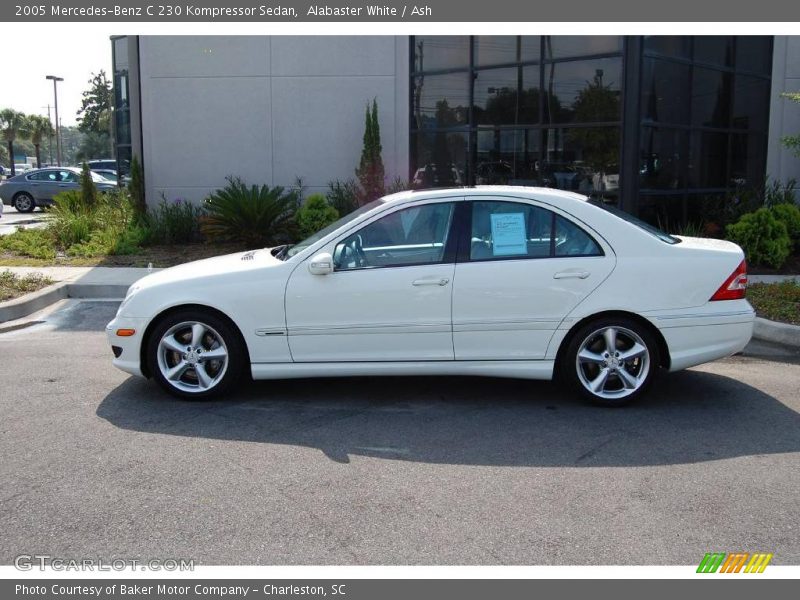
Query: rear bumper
[[717, 330], [127, 350]]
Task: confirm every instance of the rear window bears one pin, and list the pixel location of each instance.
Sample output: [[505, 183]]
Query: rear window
[[654, 231]]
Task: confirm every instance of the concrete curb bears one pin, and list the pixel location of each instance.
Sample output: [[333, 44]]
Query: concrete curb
[[777, 333], [23, 306], [11, 310]]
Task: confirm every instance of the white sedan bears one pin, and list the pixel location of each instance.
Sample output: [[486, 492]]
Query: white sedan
[[493, 281]]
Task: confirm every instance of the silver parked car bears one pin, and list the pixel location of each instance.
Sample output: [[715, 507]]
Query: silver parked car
[[35, 188]]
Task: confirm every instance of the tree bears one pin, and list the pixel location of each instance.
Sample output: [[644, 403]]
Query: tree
[[370, 170], [792, 142], [88, 189], [136, 188], [38, 127], [597, 103], [12, 124], [94, 115]]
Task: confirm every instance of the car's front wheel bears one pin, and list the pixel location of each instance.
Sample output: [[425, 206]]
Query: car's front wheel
[[195, 355], [611, 361], [24, 202]]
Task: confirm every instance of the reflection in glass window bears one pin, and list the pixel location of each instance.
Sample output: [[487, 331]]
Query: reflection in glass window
[[564, 46], [711, 98], [583, 91], [748, 159], [412, 236], [498, 99], [708, 159], [665, 91], [669, 45], [432, 52], [530, 48], [715, 49], [750, 102], [495, 49], [441, 159], [662, 158], [571, 240], [441, 100], [510, 229], [754, 53], [582, 159], [507, 156]]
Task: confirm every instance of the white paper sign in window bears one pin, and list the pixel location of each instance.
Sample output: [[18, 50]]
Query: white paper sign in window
[[508, 234]]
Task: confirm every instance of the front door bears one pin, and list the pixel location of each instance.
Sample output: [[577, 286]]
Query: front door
[[389, 297]]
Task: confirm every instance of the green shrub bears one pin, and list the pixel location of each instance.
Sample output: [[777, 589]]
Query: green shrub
[[88, 189], [176, 222], [343, 196], [36, 243], [253, 216], [789, 215], [315, 214], [136, 188], [763, 238]]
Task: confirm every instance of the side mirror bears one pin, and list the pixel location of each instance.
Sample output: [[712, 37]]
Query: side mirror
[[321, 264]]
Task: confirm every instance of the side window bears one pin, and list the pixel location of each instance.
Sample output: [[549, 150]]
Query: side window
[[40, 176], [571, 240], [508, 230], [411, 236], [67, 177]]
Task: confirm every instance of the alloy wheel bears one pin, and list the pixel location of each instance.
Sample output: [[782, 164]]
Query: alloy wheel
[[192, 356], [612, 362]]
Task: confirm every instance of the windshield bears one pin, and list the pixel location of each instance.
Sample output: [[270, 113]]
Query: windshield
[[654, 231], [300, 246], [97, 178]]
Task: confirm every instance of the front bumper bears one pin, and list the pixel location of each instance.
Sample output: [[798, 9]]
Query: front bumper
[[127, 349]]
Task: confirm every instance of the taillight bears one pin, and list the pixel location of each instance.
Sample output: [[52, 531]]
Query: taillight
[[735, 286]]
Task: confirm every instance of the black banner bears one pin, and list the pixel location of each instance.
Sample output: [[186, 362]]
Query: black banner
[[392, 11], [383, 589]]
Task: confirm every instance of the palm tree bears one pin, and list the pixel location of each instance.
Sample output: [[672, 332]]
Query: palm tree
[[38, 128], [12, 123]]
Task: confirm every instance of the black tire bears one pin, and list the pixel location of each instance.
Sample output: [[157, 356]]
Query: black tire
[[24, 202], [190, 386], [624, 380]]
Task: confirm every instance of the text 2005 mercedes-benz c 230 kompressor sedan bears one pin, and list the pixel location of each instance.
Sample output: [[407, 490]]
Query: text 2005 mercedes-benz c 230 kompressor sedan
[[496, 281]]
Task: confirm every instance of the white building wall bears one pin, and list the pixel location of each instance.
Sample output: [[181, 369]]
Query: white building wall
[[267, 109], [784, 116]]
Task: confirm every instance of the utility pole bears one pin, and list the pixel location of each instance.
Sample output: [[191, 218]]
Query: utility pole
[[58, 125], [50, 137]]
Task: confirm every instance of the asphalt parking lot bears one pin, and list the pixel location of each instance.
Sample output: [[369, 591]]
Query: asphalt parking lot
[[11, 219], [389, 471]]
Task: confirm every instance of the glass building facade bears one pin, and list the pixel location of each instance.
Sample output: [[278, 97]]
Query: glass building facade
[[122, 105], [661, 126]]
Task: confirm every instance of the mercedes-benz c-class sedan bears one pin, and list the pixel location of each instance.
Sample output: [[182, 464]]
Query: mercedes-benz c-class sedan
[[493, 281]]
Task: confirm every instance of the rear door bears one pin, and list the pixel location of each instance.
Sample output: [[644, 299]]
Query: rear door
[[522, 267]]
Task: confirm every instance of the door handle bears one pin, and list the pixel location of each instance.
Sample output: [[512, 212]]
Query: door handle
[[442, 281], [571, 275]]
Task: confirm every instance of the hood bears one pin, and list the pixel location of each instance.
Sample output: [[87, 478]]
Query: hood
[[210, 267]]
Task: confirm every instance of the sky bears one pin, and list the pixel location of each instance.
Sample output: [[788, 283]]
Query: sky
[[24, 65]]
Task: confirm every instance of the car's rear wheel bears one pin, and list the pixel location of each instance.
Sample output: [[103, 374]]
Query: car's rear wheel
[[195, 355], [611, 361], [24, 202]]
